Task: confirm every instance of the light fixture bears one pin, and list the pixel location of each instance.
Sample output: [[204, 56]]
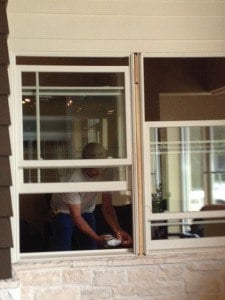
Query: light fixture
[[110, 111], [69, 102], [26, 100]]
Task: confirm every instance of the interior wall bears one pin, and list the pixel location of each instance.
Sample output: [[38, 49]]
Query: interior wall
[[191, 107], [182, 75]]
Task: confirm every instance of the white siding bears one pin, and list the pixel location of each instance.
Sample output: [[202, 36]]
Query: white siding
[[98, 27], [120, 7]]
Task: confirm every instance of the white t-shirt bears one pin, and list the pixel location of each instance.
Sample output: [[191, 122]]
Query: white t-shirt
[[87, 200]]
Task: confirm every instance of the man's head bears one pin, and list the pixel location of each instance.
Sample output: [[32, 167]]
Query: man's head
[[94, 150]]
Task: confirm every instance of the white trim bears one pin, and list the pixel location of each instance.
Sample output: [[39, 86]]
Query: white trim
[[188, 215], [69, 187], [75, 254], [73, 163], [162, 124], [34, 53], [189, 243], [13, 158], [179, 54], [69, 69]]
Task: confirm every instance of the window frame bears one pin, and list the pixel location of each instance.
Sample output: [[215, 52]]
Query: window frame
[[55, 187], [181, 245], [19, 163], [153, 245]]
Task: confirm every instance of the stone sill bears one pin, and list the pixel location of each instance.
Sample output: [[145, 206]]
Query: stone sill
[[121, 259]]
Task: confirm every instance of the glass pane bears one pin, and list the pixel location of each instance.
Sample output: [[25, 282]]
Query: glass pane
[[77, 175], [62, 112], [177, 229], [171, 229], [218, 165], [187, 170], [184, 88]]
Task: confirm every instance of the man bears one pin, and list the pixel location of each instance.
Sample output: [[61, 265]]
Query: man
[[74, 211]]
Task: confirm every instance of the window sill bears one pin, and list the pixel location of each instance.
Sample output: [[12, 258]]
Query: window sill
[[116, 258]]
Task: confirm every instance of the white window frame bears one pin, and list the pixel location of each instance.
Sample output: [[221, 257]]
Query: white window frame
[[181, 245], [18, 163], [69, 187]]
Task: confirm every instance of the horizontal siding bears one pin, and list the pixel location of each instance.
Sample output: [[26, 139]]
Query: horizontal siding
[[115, 27], [120, 7], [87, 27], [4, 110], [5, 261], [5, 232], [4, 57], [112, 47], [6, 207], [5, 175], [3, 18], [4, 81], [5, 149]]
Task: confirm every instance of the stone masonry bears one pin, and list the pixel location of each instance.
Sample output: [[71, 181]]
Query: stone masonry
[[194, 276]]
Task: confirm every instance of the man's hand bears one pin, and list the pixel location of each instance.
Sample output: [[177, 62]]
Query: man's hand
[[101, 240], [126, 239]]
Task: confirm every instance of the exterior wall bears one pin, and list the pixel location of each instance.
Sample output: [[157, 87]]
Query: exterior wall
[[117, 27], [5, 151], [163, 277], [157, 28]]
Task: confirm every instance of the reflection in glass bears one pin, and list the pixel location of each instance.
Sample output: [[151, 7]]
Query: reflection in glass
[[187, 167], [184, 88], [196, 228], [62, 112]]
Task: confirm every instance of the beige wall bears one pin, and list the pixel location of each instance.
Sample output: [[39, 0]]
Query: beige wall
[[119, 27], [180, 107]]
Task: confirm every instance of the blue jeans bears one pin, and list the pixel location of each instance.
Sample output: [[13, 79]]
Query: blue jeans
[[66, 236]]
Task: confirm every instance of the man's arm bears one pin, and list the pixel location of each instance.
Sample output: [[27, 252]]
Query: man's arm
[[111, 219], [75, 212]]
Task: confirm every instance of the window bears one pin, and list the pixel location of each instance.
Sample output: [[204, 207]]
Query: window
[[62, 105], [184, 152], [66, 103]]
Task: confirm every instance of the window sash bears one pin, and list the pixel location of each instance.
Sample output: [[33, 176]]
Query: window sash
[[21, 164], [68, 69], [63, 187], [169, 244], [73, 163]]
